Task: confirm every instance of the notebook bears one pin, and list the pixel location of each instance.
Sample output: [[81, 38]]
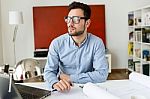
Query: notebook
[[19, 91]]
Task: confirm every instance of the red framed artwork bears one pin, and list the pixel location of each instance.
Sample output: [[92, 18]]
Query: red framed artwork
[[49, 23]]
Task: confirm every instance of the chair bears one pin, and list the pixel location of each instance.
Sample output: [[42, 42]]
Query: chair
[[27, 70]]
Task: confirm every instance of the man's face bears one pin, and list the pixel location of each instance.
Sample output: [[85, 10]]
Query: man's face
[[76, 29]]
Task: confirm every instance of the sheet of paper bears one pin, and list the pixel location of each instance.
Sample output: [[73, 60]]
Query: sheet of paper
[[125, 89], [95, 92], [75, 93]]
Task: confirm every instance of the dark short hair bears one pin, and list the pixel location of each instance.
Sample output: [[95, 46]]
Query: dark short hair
[[86, 9]]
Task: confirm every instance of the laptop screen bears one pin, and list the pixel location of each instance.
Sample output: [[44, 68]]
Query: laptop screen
[[19, 91], [4, 87]]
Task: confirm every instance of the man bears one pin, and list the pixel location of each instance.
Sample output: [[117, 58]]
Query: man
[[77, 56]]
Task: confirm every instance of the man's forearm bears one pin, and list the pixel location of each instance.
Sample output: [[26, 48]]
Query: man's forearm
[[94, 77], [50, 79]]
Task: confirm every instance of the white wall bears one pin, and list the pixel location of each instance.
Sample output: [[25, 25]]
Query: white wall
[[116, 27], [1, 51]]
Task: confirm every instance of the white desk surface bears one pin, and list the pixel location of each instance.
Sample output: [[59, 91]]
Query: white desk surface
[[121, 88], [74, 93]]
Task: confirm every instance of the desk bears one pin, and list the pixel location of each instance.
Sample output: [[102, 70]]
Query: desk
[[74, 93], [121, 88]]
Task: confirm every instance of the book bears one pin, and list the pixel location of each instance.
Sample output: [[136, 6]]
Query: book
[[130, 48], [131, 64], [145, 69]]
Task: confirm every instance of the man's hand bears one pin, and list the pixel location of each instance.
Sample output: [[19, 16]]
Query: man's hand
[[62, 85], [65, 77]]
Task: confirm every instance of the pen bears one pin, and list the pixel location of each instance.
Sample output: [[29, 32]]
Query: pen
[[54, 90], [81, 86]]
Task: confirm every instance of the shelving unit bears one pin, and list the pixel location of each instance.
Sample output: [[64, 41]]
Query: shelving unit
[[139, 40]]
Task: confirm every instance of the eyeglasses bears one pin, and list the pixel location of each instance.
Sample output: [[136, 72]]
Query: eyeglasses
[[75, 19]]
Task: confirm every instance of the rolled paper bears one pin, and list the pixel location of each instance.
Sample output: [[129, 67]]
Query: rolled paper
[[140, 78]]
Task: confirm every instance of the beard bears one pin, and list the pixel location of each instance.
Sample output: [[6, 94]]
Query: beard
[[77, 33]]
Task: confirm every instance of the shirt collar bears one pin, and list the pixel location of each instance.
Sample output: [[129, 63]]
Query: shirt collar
[[72, 41]]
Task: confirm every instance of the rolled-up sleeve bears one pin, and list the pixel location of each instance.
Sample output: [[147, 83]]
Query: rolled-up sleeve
[[51, 67]]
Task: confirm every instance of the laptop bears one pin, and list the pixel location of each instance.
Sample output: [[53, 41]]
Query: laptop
[[19, 91]]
